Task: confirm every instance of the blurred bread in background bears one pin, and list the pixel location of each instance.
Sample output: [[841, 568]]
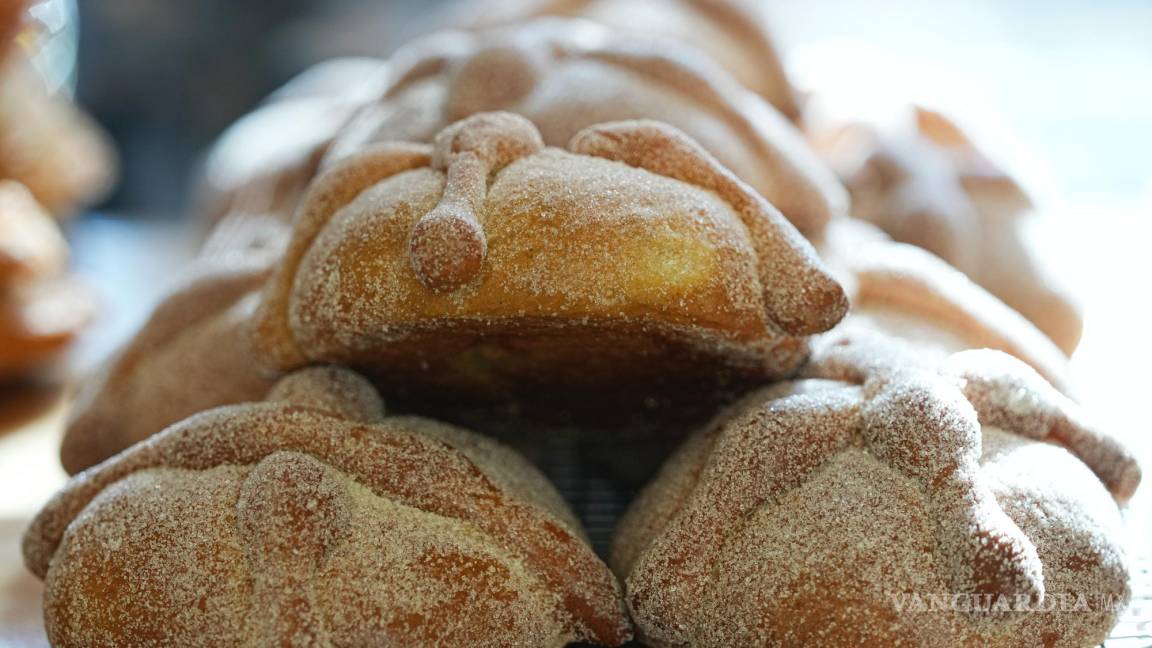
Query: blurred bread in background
[[47, 143], [262, 162], [42, 308], [731, 32], [924, 182]]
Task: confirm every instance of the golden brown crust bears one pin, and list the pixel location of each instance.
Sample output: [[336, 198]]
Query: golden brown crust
[[192, 354], [41, 308], [565, 75], [636, 243], [328, 193], [872, 484], [785, 259], [731, 32], [297, 502]]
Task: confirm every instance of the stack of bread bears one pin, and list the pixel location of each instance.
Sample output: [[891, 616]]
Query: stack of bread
[[540, 219]]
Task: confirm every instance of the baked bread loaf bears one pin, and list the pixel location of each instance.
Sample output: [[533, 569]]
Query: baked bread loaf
[[911, 294], [928, 185], [192, 354], [261, 164], [566, 75], [42, 309], [884, 502], [731, 32], [313, 519], [491, 266]]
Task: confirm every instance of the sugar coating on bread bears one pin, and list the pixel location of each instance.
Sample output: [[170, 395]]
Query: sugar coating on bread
[[566, 75], [192, 354], [492, 260], [731, 32], [274, 522], [799, 295], [1001, 391], [897, 447], [448, 245], [917, 296]]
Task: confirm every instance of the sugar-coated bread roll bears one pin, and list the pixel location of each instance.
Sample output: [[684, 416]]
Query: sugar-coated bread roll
[[192, 354], [731, 32], [313, 519], [566, 75], [885, 501], [907, 292], [491, 265]]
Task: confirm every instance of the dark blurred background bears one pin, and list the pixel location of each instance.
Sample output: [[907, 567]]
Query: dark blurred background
[[165, 77], [1061, 90]]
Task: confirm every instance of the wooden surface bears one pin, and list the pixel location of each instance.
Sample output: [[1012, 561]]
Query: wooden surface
[[30, 423]]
